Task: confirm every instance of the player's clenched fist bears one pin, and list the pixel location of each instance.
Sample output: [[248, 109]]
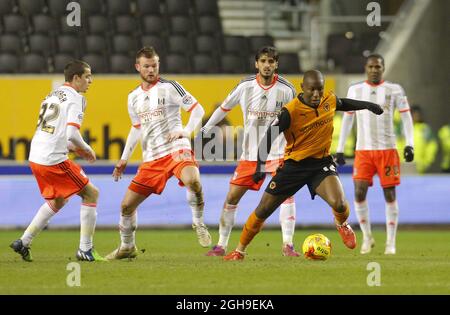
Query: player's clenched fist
[[376, 109]]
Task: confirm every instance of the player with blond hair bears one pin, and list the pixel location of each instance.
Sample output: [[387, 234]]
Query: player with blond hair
[[154, 109]]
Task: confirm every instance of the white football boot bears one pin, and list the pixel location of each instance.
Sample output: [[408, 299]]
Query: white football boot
[[367, 245], [204, 238], [390, 249], [121, 253]]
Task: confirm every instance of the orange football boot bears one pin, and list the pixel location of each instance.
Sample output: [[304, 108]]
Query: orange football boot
[[347, 235], [234, 255]]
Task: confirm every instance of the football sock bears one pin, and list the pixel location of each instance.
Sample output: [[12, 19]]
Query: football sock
[[362, 213], [391, 221], [88, 218], [341, 217], [196, 204], [227, 219], [287, 220], [127, 227], [251, 228], [38, 223]]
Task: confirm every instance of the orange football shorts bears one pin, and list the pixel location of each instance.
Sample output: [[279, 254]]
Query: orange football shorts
[[385, 163], [61, 180], [243, 175], [152, 176]]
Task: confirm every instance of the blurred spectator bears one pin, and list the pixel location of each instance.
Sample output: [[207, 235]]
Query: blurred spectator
[[425, 144], [444, 139]]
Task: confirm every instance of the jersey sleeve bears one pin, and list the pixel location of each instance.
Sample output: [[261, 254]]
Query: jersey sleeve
[[75, 112], [400, 99], [283, 121], [182, 97], [289, 95], [232, 99], [135, 121], [351, 92]]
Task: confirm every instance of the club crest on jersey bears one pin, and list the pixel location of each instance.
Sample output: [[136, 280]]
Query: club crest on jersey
[[161, 101], [326, 107], [278, 104], [187, 100]]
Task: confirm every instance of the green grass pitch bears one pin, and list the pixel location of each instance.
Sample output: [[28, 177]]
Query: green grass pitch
[[173, 263]]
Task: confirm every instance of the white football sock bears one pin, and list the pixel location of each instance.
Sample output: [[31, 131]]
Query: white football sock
[[227, 219], [38, 223], [391, 221], [196, 204], [287, 220], [127, 227], [88, 218], [362, 213]]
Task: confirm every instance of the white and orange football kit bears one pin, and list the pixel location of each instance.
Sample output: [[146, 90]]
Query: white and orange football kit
[[260, 106], [156, 112], [376, 150], [57, 176]]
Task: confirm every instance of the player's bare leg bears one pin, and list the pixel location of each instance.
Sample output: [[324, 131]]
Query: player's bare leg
[[227, 219], [39, 222], [268, 204], [190, 176], [128, 226], [391, 219], [330, 190], [362, 213], [88, 218]]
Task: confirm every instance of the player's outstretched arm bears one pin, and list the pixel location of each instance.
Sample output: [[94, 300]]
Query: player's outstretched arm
[[348, 104], [218, 115], [76, 144], [280, 124], [346, 127], [132, 140]]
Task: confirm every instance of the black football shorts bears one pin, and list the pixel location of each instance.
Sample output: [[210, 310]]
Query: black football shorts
[[293, 175]]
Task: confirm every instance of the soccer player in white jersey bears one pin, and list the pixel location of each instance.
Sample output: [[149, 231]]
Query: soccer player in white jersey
[[57, 132], [376, 147], [154, 109], [261, 97]]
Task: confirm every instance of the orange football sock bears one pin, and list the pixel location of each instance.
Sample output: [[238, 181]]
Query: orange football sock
[[341, 217], [251, 228]]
